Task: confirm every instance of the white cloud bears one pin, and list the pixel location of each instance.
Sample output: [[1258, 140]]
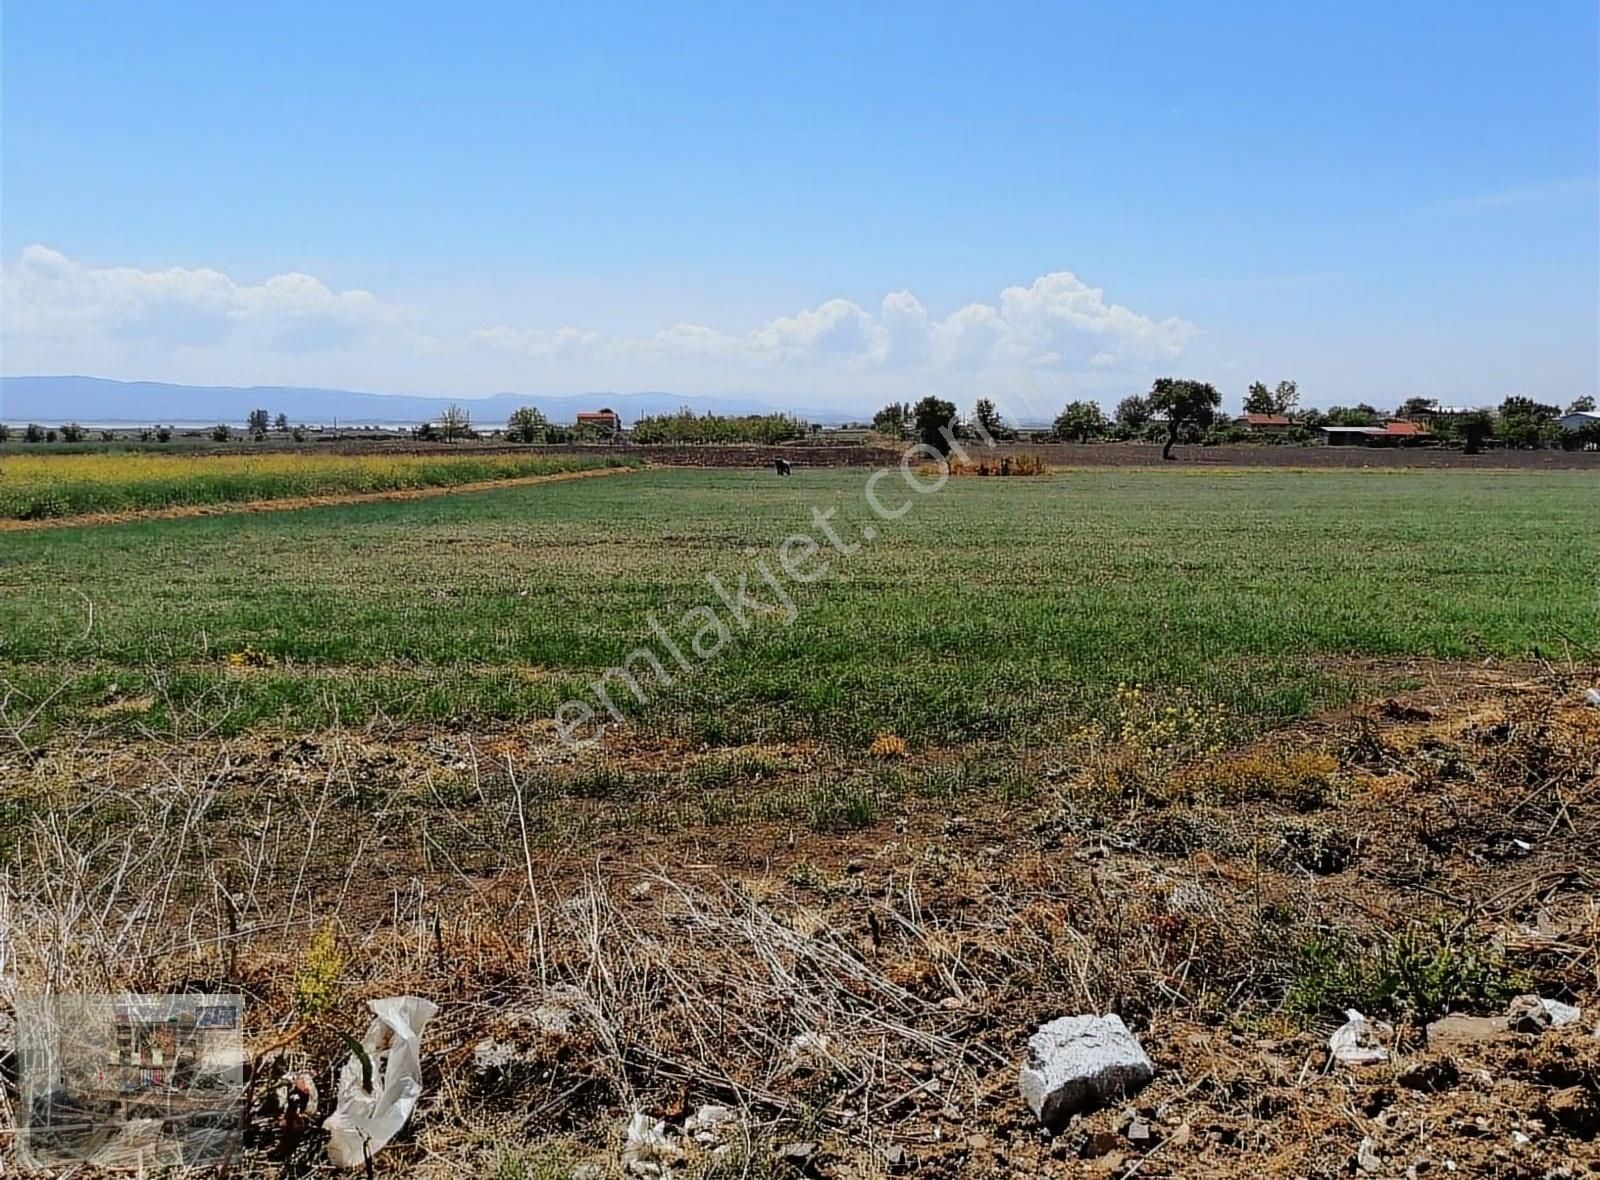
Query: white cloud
[[50, 296], [205, 326]]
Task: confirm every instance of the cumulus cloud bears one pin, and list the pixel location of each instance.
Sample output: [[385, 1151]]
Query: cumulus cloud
[[51, 296], [1058, 320], [201, 324]]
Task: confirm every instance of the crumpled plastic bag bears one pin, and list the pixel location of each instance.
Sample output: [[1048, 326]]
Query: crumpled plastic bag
[[1355, 1042], [363, 1122]]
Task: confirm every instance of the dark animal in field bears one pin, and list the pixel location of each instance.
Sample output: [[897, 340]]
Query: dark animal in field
[[782, 466]]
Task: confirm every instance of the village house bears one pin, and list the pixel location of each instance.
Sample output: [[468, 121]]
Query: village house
[[606, 421], [1390, 434], [1265, 423]]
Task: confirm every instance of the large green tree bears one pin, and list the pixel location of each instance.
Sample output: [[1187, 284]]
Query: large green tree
[[1527, 423], [892, 419], [1581, 405], [1261, 400], [1181, 401], [1356, 415], [1080, 422], [1133, 415], [988, 418], [526, 425], [934, 422]]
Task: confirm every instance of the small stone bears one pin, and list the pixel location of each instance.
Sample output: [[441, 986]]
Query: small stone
[[1367, 1158], [1534, 1014], [1455, 1032], [1528, 1014], [1077, 1063], [798, 1155], [1139, 1133], [896, 1158], [639, 889]]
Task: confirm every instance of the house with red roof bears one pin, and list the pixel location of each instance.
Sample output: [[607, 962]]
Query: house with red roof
[[1265, 423]]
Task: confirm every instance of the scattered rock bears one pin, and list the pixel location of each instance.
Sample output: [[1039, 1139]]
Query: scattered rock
[[1533, 1014], [1431, 1076], [588, 1172], [799, 1156], [897, 1159], [1456, 1032], [1080, 1062], [1593, 697], [639, 889], [1139, 1133], [1355, 1042], [1367, 1157]]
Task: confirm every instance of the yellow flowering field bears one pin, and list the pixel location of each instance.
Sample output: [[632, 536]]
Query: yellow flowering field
[[35, 487]]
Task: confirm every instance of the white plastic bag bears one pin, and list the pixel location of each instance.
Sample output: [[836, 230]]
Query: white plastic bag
[[363, 1122]]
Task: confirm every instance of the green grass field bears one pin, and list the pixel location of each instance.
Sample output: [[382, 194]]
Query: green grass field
[[1006, 609]]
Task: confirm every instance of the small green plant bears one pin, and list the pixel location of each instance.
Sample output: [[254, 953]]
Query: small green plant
[[1426, 970], [841, 807]]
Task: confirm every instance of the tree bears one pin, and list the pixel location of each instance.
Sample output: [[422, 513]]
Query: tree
[[1416, 407], [258, 422], [1357, 415], [455, 423], [1476, 428], [33, 433], [934, 422], [988, 419], [1280, 401], [1080, 422], [1526, 423], [1259, 399], [5, 433], [72, 433], [281, 423], [1581, 405], [1181, 401], [1133, 415], [526, 425], [221, 433], [892, 419], [163, 434]]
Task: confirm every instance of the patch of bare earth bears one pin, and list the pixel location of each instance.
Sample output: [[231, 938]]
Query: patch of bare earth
[[850, 951]]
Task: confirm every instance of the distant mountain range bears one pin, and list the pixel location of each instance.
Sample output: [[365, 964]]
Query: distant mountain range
[[98, 401]]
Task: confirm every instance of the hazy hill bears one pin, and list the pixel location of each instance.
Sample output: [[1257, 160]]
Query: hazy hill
[[97, 400]]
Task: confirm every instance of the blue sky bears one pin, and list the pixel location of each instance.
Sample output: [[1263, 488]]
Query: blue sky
[[818, 204]]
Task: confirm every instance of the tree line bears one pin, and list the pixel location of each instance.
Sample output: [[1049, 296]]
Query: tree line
[[1181, 410]]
